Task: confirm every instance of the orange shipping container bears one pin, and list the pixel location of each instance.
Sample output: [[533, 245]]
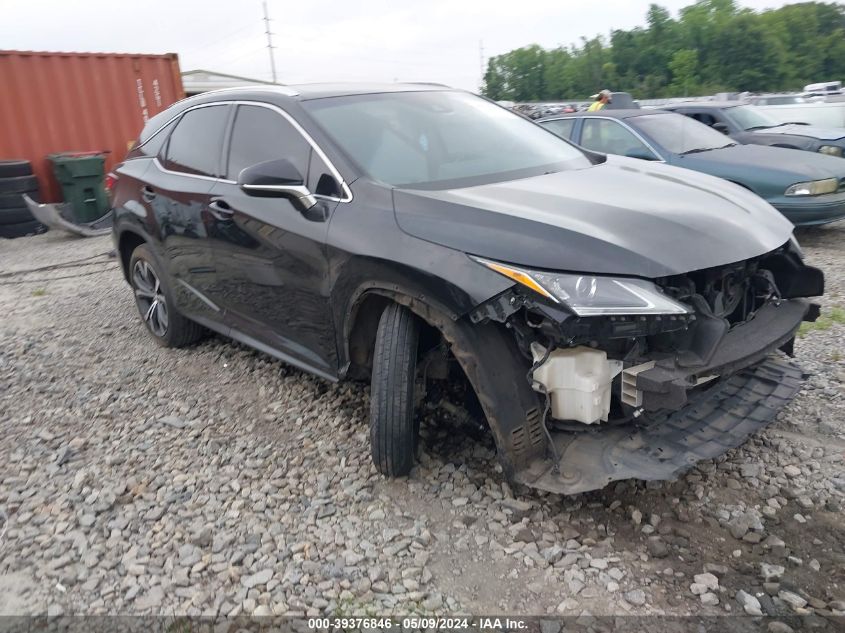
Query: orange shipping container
[[79, 102]]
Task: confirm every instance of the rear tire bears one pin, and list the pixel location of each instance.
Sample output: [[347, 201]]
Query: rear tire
[[155, 302], [15, 216], [18, 184], [14, 168], [15, 200], [393, 432], [22, 229]]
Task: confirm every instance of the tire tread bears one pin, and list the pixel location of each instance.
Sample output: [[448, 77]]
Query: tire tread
[[392, 429]]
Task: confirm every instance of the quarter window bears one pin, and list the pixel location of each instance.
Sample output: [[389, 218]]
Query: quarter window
[[261, 134], [194, 146], [609, 137]]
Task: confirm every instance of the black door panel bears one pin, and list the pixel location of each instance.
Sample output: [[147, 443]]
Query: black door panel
[[272, 271], [177, 187], [272, 275]]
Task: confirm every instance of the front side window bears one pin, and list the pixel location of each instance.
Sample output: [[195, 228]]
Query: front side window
[[437, 139], [194, 146], [260, 134], [610, 137], [561, 127]]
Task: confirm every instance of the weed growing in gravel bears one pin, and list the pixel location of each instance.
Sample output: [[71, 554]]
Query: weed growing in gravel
[[39, 292], [824, 322]]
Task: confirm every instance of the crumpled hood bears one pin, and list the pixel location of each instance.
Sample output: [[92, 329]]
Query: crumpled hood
[[625, 217], [821, 133]]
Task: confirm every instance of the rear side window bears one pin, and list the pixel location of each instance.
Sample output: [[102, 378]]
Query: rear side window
[[609, 137], [261, 134], [194, 146], [561, 127]]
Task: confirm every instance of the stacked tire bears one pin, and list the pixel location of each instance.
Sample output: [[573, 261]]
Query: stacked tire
[[16, 179]]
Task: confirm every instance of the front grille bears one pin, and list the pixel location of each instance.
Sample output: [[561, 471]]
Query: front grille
[[842, 186]]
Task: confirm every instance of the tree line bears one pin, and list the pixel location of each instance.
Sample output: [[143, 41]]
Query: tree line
[[712, 46]]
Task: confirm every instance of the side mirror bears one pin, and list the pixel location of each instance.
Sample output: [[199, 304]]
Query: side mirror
[[641, 153], [276, 179], [720, 127]]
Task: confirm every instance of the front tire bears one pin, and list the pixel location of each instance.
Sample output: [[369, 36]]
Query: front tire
[[155, 302], [393, 432]]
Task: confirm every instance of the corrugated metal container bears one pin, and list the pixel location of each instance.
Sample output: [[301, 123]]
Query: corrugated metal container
[[65, 102]]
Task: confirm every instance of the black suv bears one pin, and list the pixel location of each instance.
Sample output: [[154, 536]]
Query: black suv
[[607, 318]]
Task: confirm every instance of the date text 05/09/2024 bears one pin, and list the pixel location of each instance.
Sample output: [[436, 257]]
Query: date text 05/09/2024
[[418, 623]]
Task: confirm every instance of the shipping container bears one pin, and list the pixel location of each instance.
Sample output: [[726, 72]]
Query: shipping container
[[79, 102]]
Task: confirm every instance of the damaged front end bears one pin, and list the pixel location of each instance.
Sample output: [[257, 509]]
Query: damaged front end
[[643, 378]]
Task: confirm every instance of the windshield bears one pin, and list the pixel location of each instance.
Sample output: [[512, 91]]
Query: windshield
[[679, 134], [434, 138], [749, 117]]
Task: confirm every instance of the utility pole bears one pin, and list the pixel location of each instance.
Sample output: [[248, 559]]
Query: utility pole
[[481, 63], [270, 46]]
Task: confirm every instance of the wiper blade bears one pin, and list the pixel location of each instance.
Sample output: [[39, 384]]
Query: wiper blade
[[698, 150], [761, 127]]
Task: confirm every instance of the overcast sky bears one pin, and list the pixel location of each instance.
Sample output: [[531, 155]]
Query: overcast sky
[[322, 40]]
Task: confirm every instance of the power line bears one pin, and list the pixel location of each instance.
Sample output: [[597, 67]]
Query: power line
[[269, 41]]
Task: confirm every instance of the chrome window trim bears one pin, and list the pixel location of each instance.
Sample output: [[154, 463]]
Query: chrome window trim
[[347, 192], [630, 129]]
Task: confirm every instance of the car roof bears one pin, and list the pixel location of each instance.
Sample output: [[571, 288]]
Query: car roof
[[303, 92], [605, 112], [278, 94], [704, 104]]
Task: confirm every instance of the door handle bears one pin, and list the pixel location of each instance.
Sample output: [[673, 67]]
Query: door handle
[[148, 193], [220, 209]]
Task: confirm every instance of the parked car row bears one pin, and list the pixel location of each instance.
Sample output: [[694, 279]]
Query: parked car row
[[807, 187], [606, 319]]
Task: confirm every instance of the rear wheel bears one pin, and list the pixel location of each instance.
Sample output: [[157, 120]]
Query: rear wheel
[[155, 304], [393, 431]]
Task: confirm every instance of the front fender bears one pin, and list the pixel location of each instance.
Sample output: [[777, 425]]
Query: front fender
[[452, 296], [497, 372]]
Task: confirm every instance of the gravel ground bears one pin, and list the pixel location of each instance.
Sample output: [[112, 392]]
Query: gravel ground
[[215, 480]]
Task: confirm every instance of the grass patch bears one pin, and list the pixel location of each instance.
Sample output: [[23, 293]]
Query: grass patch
[[39, 292], [824, 322]]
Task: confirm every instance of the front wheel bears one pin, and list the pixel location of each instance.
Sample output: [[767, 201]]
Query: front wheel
[[155, 304], [393, 432]]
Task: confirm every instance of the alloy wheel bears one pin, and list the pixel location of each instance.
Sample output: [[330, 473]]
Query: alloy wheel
[[150, 298]]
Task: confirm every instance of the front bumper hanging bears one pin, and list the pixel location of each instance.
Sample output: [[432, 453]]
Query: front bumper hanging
[[715, 421], [56, 216]]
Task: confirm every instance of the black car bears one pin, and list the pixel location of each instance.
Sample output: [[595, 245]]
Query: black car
[[748, 124], [607, 320], [808, 191]]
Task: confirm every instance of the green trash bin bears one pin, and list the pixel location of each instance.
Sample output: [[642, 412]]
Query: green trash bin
[[81, 175]]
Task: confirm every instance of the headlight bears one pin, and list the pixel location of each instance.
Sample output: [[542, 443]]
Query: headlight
[[813, 188], [588, 295], [831, 149]]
